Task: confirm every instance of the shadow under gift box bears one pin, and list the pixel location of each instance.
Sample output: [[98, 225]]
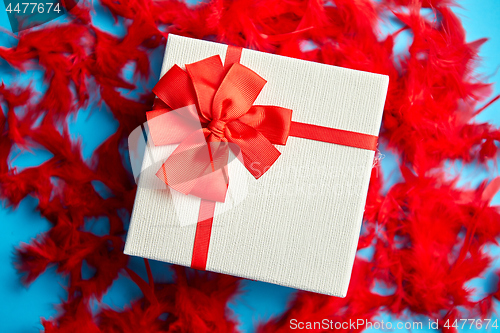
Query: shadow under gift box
[[298, 225]]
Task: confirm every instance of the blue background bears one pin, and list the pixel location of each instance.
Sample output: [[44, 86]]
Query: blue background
[[22, 307]]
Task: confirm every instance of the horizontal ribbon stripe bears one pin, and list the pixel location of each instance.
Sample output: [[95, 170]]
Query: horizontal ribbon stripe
[[333, 135]]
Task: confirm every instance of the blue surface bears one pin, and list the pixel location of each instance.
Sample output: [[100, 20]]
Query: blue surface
[[22, 308]]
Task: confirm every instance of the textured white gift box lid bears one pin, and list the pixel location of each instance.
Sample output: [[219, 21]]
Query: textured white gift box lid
[[299, 224]]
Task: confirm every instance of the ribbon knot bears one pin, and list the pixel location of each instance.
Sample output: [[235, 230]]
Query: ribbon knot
[[217, 128], [220, 100]]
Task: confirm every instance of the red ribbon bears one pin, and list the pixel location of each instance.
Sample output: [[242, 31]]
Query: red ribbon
[[221, 98], [224, 97]]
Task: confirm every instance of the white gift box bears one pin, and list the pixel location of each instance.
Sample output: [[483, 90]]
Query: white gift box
[[298, 225]]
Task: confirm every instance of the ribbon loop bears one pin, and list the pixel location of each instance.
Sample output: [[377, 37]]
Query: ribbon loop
[[237, 92], [180, 122], [206, 76], [273, 122], [175, 88], [257, 152]]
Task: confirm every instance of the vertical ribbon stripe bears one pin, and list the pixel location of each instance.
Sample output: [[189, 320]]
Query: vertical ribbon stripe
[[233, 56], [202, 236], [207, 208]]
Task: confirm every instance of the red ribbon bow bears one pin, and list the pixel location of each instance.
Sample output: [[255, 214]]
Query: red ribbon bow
[[224, 97]]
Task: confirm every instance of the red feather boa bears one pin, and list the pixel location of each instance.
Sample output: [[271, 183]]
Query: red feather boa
[[428, 233]]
